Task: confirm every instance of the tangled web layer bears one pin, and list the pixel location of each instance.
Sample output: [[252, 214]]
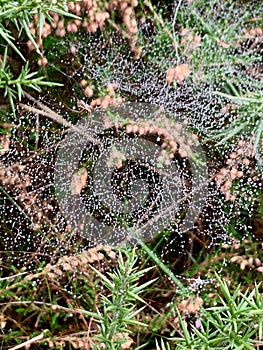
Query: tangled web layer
[[30, 215]]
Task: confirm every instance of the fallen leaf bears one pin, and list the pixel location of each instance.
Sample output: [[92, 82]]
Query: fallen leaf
[[179, 73], [116, 158], [4, 143], [223, 44], [170, 75], [78, 181]]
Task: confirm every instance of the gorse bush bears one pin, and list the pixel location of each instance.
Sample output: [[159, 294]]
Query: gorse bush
[[249, 120], [19, 15], [119, 311], [16, 18], [13, 86], [114, 312], [232, 324], [235, 322]]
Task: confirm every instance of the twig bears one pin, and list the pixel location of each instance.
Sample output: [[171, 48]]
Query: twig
[[49, 113], [37, 133], [30, 341], [174, 35], [53, 116], [13, 276], [52, 306]]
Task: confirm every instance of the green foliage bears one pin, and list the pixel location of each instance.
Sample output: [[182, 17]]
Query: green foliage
[[119, 310], [162, 345], [249, 120], [19, 15], [220, 26], [115, 313], [233, 323], [13, 86], [181, 288]]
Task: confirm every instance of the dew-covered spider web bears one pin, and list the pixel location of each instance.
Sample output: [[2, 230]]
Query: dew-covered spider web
[[107, 177]]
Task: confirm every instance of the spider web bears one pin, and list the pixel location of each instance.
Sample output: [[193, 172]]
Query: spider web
[[105, 62]]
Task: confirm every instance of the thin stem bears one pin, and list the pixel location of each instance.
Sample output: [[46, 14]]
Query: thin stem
[[174, 34]]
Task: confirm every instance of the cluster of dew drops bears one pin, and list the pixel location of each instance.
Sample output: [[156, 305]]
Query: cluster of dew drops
[[138, 81], [144, 81]]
